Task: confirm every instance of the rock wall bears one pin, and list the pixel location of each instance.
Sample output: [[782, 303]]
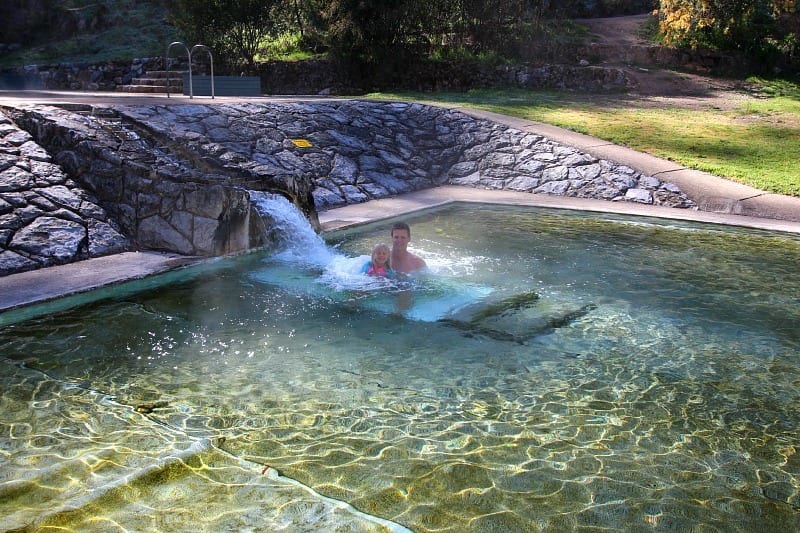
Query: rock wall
[[176, 177], [356, 151], [329, 77], [159, 199], [105, 76], [46, 218]]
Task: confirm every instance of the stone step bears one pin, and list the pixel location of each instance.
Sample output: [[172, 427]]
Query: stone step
[[157, 81], [165, 73]]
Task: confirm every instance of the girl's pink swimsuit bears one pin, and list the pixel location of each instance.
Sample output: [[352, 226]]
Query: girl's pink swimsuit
[[381, 271]]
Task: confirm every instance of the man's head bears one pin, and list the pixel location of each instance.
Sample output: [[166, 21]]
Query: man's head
[[401, 234]]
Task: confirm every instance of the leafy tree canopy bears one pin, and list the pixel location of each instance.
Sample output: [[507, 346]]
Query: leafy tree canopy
[[233, 29], [746, 25]]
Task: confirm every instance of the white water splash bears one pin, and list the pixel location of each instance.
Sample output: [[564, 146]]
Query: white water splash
[[299, 242]]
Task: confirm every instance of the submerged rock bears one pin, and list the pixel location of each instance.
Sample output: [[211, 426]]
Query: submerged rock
[[517, 318]]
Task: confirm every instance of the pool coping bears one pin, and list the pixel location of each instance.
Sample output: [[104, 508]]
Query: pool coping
[[47, 284]]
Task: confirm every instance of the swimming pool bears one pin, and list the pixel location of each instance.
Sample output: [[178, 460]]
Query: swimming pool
[[555, 370]]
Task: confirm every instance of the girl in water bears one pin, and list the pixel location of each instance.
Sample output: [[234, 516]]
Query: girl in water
[[379, 264]]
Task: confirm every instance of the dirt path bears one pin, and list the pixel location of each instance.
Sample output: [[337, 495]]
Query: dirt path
[[621, 31], [656, 86]]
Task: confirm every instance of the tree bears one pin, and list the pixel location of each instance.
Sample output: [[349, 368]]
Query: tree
[[764, 30], [233, 29], [725, 24], [22, 21], [372, 30], [382, 30]]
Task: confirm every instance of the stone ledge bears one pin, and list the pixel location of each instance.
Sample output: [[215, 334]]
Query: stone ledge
[[38, 286]]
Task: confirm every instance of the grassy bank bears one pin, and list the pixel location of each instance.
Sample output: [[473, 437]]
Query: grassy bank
[[754, 141]]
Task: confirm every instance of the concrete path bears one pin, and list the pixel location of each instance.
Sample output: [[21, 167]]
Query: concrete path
[[720, 201]]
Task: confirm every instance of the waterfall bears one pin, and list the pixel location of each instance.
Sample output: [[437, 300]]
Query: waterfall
[[300, 248], [297, 240]]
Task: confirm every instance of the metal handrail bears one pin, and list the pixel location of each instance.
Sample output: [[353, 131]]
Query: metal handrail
[[166, 65], [210, 57]]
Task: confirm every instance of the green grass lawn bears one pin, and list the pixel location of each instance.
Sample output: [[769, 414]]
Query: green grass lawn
[[756, 142]]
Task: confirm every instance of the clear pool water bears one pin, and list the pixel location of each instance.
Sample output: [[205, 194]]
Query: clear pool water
[[554, 371]]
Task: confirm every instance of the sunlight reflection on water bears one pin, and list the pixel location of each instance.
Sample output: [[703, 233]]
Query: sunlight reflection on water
[[669, 401]]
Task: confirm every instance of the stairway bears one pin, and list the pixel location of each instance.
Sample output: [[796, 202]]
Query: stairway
[[156, 81]]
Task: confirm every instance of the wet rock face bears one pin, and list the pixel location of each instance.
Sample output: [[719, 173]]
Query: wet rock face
[[176, 178], [45, 217]]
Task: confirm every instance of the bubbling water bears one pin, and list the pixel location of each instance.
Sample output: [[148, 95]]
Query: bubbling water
[[298, 240]]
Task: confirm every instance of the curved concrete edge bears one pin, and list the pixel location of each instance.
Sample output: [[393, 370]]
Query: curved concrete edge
[[45, 284], [386, 208], [770, 205], [710, 193]]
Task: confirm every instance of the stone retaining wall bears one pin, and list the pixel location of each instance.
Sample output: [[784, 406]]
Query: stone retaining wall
[[46, 218], [105, 76], [176, 177], [357, 151], [328, 77]]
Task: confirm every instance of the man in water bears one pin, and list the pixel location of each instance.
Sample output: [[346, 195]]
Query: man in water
[[402, 260]]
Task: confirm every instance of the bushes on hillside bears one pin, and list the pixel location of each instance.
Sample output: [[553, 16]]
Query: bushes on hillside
[[765, 30]]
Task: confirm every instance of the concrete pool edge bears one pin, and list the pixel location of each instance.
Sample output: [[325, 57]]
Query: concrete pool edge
[[48, 284], [52, 283]]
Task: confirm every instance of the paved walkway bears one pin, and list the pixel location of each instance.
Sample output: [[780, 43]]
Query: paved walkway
[[720, 201]]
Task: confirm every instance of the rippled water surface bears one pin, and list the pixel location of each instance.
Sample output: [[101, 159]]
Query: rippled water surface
[[553, 371]]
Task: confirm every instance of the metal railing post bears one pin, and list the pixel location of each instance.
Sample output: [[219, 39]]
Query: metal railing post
[[166, 65], [211, 59]]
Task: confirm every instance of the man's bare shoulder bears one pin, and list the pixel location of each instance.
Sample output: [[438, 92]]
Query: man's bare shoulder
[[408, 262], [417, 262]]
